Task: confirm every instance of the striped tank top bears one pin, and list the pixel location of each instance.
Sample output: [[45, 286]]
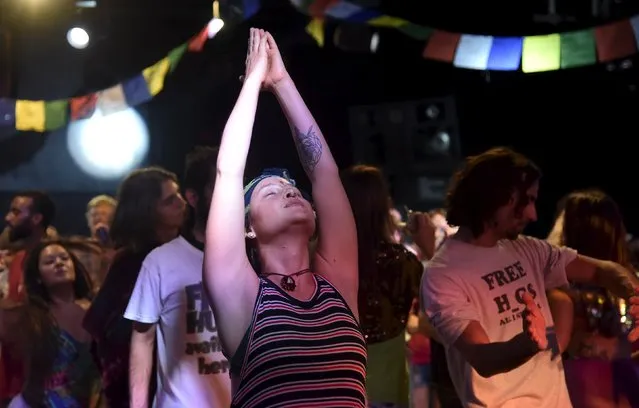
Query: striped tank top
[[300, 353]]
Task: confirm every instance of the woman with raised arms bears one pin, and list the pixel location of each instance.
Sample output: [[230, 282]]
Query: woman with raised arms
[[288, 320]]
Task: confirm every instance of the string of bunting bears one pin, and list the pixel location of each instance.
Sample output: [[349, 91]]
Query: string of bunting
[[40, 116], [536, 53]]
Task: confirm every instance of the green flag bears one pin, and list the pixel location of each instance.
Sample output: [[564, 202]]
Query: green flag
[[176, 55], [578, 49], [55, 114]]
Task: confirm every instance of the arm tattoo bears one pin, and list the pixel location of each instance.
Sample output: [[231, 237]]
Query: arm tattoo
[[309, 148]]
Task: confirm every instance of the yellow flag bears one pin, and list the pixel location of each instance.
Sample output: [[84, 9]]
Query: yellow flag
[[30, 115], [316, 30], [541, 53], [387, 21], [155, 74]]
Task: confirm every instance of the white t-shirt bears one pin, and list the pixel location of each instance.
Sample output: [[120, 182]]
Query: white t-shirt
[[192, 371], [465, 282]]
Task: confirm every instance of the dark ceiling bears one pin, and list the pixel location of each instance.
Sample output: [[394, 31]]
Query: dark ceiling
[[130, 35]]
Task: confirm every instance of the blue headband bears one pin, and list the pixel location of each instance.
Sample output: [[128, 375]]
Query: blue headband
[[266, 173]]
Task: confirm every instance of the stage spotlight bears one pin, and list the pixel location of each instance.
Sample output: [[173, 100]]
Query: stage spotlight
[[78, 38], [109, 146]]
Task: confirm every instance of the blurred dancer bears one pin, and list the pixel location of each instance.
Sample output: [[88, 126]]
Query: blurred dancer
[[485, 289], [599, 371], [46, 329], [389, 278], [150, 212]]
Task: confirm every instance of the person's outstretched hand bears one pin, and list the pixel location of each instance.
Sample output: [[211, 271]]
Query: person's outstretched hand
[[534, 323], [276, 69], [257, 56]]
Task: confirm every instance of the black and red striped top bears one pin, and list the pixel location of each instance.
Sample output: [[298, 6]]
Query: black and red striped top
[[301, 353]]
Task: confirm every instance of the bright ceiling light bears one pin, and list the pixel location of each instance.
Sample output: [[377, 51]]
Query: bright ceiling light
[[214, 27], [78, 38]]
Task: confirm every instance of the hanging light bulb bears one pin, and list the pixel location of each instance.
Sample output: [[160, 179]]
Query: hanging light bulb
[[216, 23], [78, 38]]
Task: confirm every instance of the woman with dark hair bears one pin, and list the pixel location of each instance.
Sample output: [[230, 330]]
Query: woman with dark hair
[[60, 372], [389, 277], [598, 367], [291, 330], [150, 212]]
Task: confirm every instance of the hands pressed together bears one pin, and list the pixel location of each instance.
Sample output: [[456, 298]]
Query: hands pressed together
[[263, 60]]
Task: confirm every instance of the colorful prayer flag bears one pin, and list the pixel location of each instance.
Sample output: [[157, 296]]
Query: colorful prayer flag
[[634, 22], [316, 30], [541, 53], [364, 16], [416, 31], [505, 54], [55, 114], [155, 75], [196, 43], [615, 41], [7, 112], [342, 10], [250, 8], [136, 91], [83, 107], [577, 49], [30, 115], [318, 8], [473, 51], [387, 21], [302, 5], [175, 55], [442, 46], [112, 100]]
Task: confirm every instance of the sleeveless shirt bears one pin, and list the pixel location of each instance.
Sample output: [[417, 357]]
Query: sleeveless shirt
[[301, 353]]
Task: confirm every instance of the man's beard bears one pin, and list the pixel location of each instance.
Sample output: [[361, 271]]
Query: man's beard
[[19, 232], [515, 233]]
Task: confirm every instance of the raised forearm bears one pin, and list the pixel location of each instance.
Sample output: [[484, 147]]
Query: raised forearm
[[236, 138], [618, 280], [311, 146]]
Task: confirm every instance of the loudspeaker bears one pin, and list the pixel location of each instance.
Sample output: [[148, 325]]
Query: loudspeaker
[[416, 143]]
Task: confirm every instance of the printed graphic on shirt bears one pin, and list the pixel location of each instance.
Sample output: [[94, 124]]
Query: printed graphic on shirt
[[200, 325], [509, 285]]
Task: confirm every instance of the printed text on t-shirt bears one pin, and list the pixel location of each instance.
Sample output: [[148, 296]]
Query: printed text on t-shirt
[[199, 319], [512, 302]]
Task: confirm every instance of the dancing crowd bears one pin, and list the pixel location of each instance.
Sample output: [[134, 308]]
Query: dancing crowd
[[213, 292]]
